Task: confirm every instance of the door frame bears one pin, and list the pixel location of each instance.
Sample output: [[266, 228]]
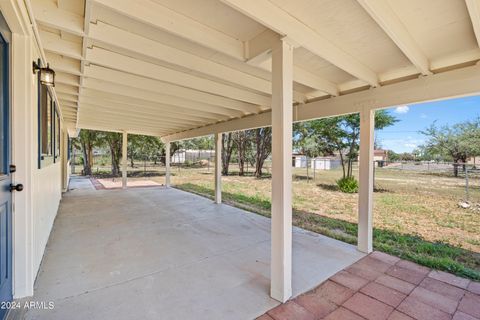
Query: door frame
[[22, 103], [6, 175]]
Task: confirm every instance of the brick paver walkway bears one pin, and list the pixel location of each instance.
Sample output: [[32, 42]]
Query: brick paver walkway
[[381, 286]]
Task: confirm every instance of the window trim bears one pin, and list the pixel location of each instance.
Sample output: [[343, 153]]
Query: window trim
[[44, 160]]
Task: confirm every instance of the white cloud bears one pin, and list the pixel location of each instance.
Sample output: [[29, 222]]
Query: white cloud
[[423, 116], [402, 109], [410, 145]]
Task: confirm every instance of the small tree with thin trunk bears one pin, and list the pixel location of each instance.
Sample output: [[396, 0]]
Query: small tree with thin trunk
[[458, 142], [87, 140], [242, 141], [263, 143], [227, 149], [114, 142]]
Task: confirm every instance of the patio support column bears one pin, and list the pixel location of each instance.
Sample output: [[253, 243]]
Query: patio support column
[[365, 192], [124, 160], [282, 112], [218, 168], [167, 165]]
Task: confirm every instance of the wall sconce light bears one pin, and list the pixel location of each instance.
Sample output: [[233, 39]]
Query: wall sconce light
[[47, 75]]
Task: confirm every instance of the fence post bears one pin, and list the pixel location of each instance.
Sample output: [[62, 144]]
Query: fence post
[[306, 160], [466, 184], [314, 167], [73, 161]]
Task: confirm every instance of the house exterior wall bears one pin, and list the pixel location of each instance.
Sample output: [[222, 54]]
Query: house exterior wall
[[35, 208], [47, 193]]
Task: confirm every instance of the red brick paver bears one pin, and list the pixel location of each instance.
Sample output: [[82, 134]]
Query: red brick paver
[[442, 288], [383, 287], [343, 314], [349, 280], [450, 279], [367, 307], [435, 300], [384, 294], [397, 315], [470, 304], [474, 287], [462, 316], [290, 311], [334, 292]]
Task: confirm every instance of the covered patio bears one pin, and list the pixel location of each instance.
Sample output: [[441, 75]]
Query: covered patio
[[180, 69], [158, 253]]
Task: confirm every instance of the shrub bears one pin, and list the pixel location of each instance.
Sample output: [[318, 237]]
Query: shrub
[[348, 185]]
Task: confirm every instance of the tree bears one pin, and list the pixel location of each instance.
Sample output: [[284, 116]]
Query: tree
[[242, 141], [471, 136], [393, 156], [336, 135], [174, 147], [114, 142], [263, 143], [87, 140], [227, 149], [458, 142], [144, 147]]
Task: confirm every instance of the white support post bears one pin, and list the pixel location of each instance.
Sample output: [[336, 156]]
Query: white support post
[[167, 165], [124, 159], [365, 192], [218, 168], [282, 112]]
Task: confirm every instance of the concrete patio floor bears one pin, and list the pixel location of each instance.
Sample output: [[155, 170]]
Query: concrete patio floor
[[156, 253]]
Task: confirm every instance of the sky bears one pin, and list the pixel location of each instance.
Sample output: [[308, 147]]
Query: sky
[[404, 135]]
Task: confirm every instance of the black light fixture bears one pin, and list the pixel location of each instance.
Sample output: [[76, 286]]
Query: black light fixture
[[47, 75]]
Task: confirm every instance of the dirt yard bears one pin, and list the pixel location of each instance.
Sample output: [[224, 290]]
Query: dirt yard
[[405, 202]]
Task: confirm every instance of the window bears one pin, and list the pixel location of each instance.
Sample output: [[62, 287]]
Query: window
[[57, 133], [45, 127]]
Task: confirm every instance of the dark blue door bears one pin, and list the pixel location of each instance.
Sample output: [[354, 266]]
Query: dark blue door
[[5, 176]]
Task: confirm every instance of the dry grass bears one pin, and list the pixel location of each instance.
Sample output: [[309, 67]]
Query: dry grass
[[410, 203]]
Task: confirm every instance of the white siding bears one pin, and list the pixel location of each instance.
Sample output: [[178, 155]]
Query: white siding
[[47, 192]]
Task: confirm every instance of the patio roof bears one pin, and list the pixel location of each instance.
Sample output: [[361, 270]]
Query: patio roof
[[164, 67]]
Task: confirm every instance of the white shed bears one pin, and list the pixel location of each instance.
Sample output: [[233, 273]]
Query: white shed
[[299, 161], [325, 163]]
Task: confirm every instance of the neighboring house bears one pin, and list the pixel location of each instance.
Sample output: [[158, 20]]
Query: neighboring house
[[473, 161], [380, 155]]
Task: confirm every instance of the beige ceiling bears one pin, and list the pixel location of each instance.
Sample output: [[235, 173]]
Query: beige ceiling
[[164, 66]]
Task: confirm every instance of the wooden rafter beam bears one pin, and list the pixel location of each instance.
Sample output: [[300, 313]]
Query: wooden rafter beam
[[140, 82], [473, 7], [386, 18], [120, 62], [157, 98], [280, 21]]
